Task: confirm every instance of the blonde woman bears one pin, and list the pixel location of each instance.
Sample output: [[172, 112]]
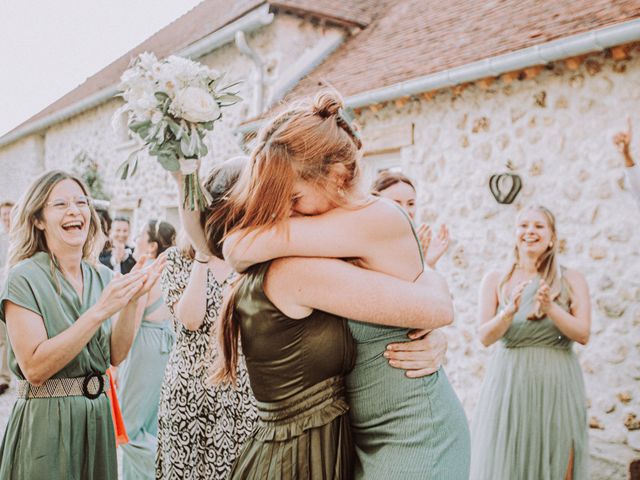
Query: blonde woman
[[58, 307], [530, 422]]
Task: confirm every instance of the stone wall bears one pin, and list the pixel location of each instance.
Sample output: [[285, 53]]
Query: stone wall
[[555, 132]]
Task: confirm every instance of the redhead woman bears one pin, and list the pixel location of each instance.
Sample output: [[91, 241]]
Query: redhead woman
[[307, 164]]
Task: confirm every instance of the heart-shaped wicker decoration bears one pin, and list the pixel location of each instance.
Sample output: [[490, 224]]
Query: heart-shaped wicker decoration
[[505, 187]]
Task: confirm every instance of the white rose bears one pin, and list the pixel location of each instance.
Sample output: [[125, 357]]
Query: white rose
[[195, 105]]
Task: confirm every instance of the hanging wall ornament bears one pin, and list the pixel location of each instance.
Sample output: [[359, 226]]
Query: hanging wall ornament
[[505, 187]]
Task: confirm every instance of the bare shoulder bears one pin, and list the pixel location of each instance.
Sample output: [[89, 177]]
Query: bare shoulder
[[493, 278], [575, 278]]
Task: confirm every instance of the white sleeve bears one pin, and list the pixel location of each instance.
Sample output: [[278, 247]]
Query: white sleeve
[[633, 179]]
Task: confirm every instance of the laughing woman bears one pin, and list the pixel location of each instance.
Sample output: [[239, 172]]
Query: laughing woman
[[531, 419], [57, 304]]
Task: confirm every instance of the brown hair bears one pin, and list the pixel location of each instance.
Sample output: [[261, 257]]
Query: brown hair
[[303, 142], [215, 218], [387, 178], [162, 233], [547, 265], [7, 203]]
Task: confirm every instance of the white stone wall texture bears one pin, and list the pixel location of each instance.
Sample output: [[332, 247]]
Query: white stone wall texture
[[555, 131]]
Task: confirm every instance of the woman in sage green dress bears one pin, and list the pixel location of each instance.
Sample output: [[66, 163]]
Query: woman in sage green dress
[[531, 420], [141, 374], [307, 163], [58, 306]]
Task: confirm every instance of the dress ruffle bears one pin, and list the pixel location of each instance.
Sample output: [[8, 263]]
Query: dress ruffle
[[306, 436]]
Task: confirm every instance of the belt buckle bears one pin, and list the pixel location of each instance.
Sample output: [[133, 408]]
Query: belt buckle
[[85, 386]]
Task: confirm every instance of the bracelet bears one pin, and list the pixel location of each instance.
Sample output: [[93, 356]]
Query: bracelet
[[201, 261]]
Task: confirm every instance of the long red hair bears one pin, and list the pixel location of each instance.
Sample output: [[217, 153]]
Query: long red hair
[[301, 143]]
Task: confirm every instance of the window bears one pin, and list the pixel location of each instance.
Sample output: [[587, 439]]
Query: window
[[372, 165]]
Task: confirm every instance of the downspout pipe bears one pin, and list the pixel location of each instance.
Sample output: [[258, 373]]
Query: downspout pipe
[[258, 86], [593, 41], [252, 21], [306, 64]]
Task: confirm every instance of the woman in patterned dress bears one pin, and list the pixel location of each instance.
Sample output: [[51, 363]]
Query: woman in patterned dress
[[200, 427]]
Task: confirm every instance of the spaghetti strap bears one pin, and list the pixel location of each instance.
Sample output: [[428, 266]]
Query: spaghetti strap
[[153, 307]]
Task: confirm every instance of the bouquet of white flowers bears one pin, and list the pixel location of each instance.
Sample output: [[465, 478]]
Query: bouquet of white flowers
[[170, 105]]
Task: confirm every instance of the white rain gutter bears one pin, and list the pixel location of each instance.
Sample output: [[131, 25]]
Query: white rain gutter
[[255, 19], [595, 40], [259, 63]]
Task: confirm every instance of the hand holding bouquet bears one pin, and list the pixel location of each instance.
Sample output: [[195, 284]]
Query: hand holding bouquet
[[170, 105]]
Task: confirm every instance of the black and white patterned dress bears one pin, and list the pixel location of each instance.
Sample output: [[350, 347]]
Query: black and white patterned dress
[[201, 428]]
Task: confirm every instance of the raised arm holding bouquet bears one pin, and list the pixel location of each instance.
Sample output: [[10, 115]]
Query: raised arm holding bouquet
[[170, 105]]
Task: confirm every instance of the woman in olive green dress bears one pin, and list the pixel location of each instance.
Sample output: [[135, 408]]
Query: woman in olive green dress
[[531, 419], [307, 163], [57, 305]]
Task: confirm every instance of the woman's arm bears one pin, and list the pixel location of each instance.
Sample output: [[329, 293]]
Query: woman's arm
[[345, 290], [41, 357], [575, 324], [191, 308], [124, 328], [338, 233], [492, 326], [190, 220]]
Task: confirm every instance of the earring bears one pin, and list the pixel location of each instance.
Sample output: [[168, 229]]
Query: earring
[[550, 244]]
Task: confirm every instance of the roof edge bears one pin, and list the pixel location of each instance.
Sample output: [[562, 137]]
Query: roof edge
[[565, 47], [254, 19]]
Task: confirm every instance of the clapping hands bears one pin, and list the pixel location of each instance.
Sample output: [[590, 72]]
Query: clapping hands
[[433, 247]]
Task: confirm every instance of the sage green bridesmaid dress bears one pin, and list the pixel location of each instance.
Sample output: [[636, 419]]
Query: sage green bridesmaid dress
[[141, 376], [403, 428], [532, 409], [296, 368], [67, 437]]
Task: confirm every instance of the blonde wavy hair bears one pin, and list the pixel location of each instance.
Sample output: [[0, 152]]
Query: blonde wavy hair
[[547, 265], [25, 239]]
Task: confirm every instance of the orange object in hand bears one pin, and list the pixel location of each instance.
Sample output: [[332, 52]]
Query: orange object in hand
[[116, 414]]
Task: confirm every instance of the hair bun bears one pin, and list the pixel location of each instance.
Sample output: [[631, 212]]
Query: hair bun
[[327, 104]]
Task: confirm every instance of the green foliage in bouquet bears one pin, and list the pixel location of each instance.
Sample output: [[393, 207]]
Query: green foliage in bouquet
[[170, 105]]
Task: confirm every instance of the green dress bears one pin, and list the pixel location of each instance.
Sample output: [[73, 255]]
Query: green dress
[[532, 409], [140, 379], [69, 438], [296, 369], [404, 428]]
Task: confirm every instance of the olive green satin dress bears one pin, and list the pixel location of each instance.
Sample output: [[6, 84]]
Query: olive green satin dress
[[296, 369], [69, 438], [532, 409]]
